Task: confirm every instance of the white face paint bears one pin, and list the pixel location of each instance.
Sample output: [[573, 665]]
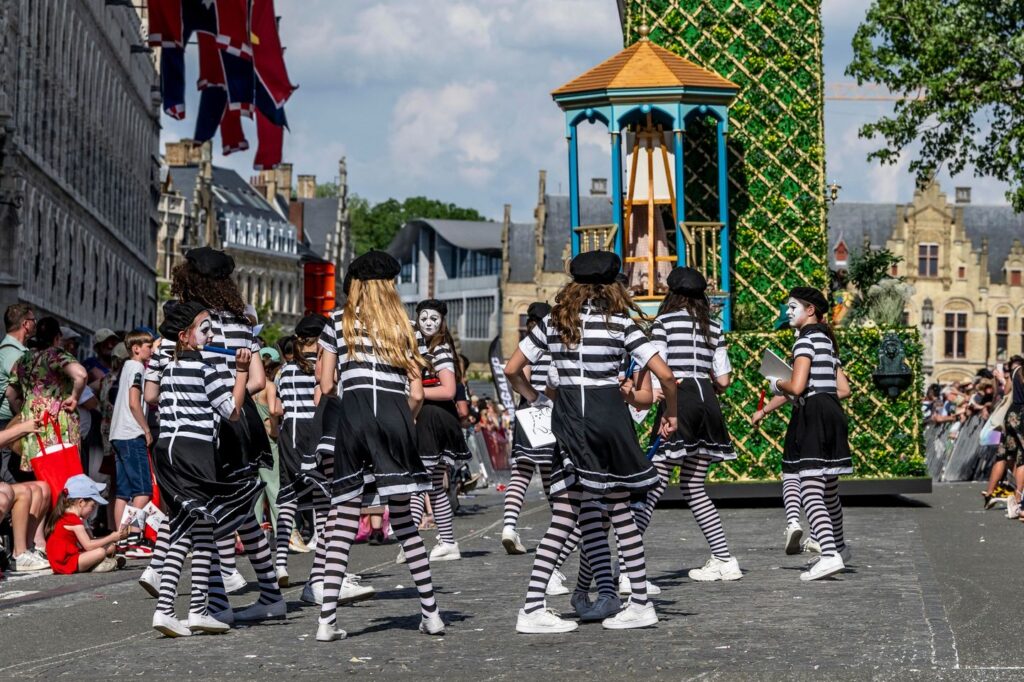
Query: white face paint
[[429, 321], [797, 313], [202, 332]]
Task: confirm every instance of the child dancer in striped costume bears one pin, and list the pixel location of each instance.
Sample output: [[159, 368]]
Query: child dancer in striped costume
[[599, 460], [369, 352], [693, 346], [294, 386], [440, 437], [817, 447], [243, 445], [193, 399]]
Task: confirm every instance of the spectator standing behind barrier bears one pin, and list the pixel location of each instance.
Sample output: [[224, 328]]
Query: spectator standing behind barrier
[[48, 380], [20, 325], [100, 364]]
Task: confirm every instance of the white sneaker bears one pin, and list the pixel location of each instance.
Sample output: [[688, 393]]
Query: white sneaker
[[400, 559], [106, 566], [445, 552], [351, 591], [794, 533], [717, 569], [150, 581], [652, 589], [633, 616], [205, 623], [296, 544], [313, 593], [543, 621], [169, 626], [624, 586], [30, 561], [282, 577], [1012, 507], [826, 566], [432, 624], [810, 546], [329, 632], [510, 541], [556, 584], [233, 582], [274, 610]]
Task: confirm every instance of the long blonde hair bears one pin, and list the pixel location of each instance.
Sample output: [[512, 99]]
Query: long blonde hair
[[383, 320]]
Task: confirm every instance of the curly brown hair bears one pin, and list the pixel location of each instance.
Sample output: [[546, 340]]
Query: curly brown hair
[[611, 299], [187, 284]]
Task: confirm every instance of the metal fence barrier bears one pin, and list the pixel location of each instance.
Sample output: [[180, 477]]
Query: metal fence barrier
[[954, 453]]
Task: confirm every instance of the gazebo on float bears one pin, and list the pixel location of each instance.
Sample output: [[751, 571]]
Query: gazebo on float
[[645, 95]]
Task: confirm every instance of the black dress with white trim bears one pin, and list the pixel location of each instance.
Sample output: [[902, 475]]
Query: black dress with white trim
[[376, 438], [297, 439], [438, 430], [817, 440], [701, 429], [522, 449], [194, 401], [597, 446]]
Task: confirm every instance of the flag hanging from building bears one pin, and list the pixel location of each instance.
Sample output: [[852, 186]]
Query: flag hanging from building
[[241, 69]]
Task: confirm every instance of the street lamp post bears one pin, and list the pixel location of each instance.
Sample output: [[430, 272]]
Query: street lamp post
[[927, 323]]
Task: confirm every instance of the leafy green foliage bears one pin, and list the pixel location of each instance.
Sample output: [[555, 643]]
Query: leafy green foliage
[[272, 331], [327, 190], [867, 269], [960, 65], [375, 225]]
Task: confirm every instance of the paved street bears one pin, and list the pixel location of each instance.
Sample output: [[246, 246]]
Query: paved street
[[931, 590]]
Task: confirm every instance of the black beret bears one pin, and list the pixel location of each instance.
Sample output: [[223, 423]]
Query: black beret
[[310, 326], [372, 265], [538, 310], [432, 304], [179, 318], [687, 281], [595, 267], [211, 262], [812, 296]]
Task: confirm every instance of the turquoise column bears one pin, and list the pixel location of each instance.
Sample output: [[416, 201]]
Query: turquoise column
[[574, 190], [617, 192], [680, 199], [723, 217]]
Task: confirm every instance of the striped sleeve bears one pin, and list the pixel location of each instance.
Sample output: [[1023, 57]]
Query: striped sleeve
[[328, 337], [659, 339], [443, 359], [636, 344], [535, 344], [220, 396], [803, 348]]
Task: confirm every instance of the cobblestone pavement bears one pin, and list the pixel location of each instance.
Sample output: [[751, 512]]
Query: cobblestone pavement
[[930, 594]]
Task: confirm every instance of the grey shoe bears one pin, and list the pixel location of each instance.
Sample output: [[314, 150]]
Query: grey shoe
[[604, 607], [581, 602]]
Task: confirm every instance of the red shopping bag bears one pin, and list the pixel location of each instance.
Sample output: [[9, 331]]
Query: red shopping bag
[[57, 463], [150, 533]]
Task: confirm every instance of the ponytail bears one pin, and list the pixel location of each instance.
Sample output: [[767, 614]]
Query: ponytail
[[61, 508], [305, 365]]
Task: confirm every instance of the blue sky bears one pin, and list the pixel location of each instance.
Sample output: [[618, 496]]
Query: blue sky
[[451, 100]]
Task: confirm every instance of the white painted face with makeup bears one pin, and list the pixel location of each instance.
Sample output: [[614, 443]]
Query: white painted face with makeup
[[797, 313], [202, 331], [429, 321]]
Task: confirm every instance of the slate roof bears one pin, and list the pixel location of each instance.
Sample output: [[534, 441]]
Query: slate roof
[[594, 210], [473, 235], [319, 219], [231, 192], [522, 253]]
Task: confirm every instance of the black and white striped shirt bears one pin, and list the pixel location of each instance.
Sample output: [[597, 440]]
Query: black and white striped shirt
[[441, 358], [596, 360], [816, 345], [163, 355], [232, 332], [296, 390], [539, 372], [193, 399], [683, 346], [363, 370]]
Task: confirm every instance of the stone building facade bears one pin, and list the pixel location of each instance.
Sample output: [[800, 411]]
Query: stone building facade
[[966, 264], [79, 165]]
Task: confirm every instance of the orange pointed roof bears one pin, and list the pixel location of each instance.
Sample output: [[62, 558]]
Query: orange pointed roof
[[644, 65]]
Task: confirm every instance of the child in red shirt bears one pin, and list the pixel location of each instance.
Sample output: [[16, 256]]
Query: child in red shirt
[[69, 547]]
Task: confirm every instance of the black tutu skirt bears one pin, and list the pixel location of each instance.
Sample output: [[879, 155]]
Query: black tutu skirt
[[817, 441], [243, 446], [296, 443], [376, 451], [525, 453], [597, 449], [439, 434], [191, 488], [701, 430]]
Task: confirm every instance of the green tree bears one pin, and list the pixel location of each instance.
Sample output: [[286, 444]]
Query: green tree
[[272, 331], [867, 269], [375, 225], [959, 62], [327, 190]]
